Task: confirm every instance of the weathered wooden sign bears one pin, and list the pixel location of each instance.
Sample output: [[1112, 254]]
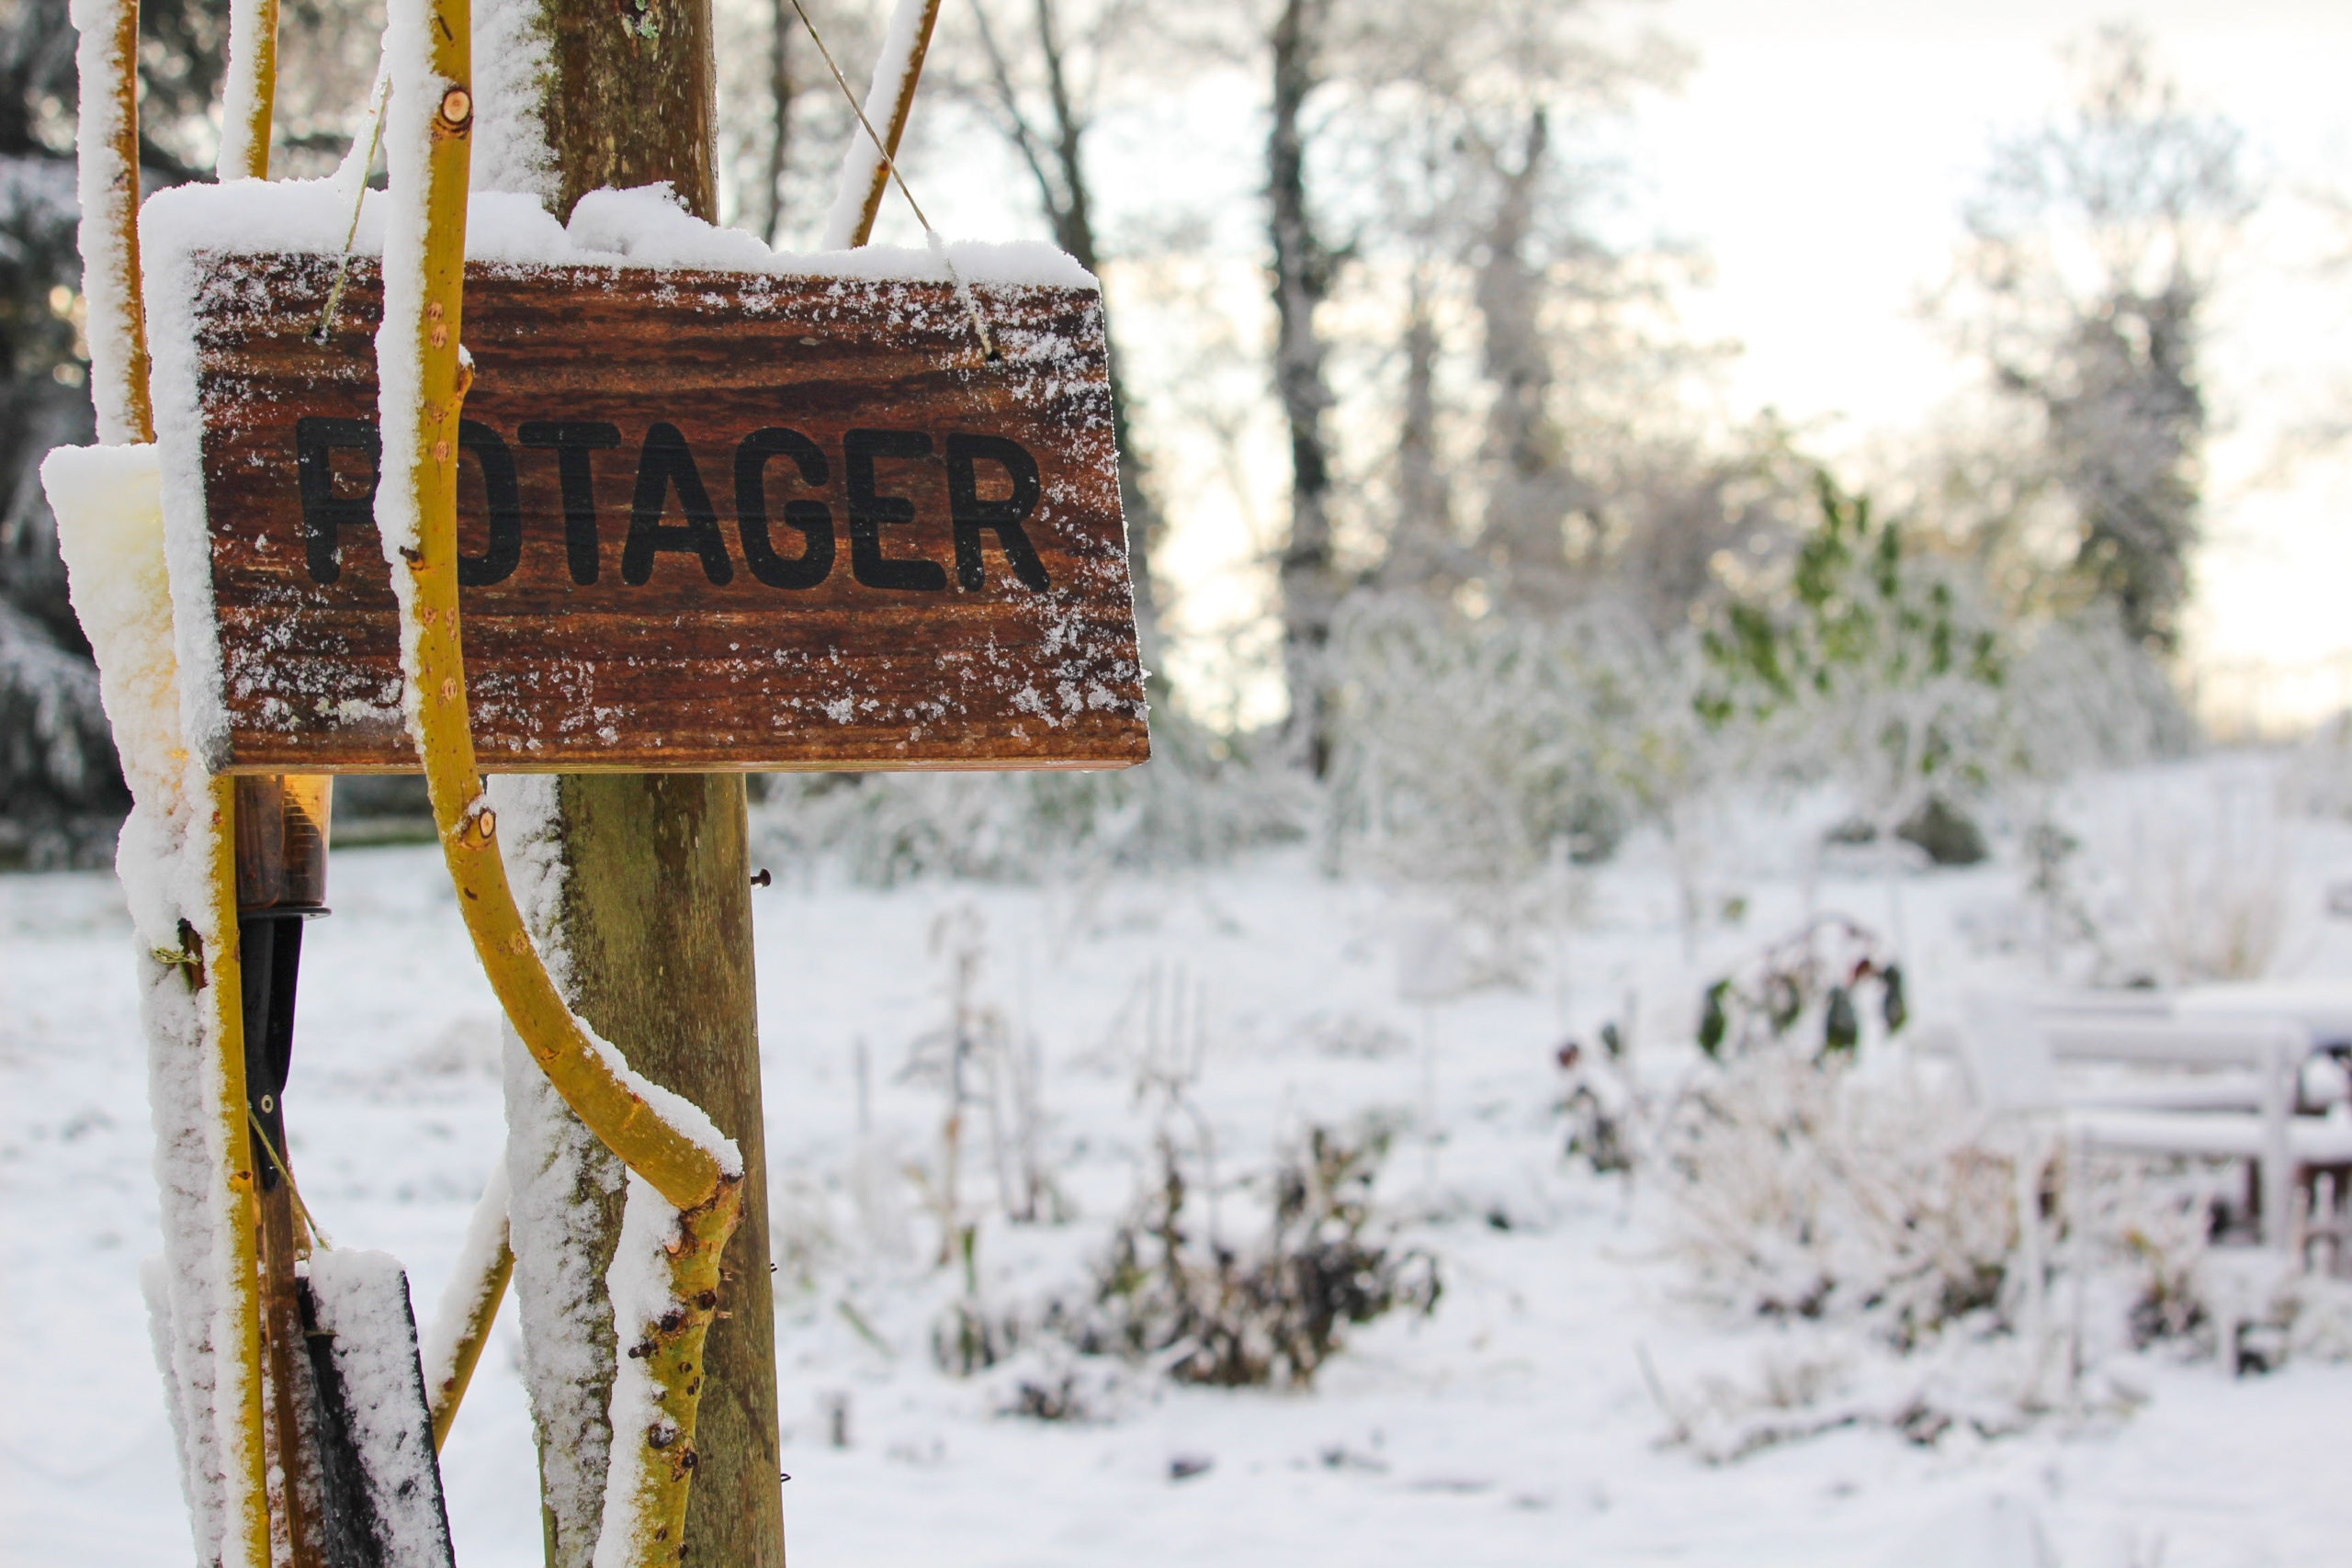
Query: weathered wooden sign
[[709, 521]]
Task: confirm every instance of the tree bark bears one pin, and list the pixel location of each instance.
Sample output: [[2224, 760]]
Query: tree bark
[[630, 105], [655, 906], [1303, 267], [782, 19]]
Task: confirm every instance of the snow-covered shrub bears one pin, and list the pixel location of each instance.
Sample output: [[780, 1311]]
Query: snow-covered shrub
[[1600, 1105], [1464, 749], [980, 1063], [1819, 977], [1200, 799], [1878, 664], [2170, 876], [2214, 893], [2165, 1241], [1491, 752], [1205, 1313], [61, 793], [2083, 695], [1802, 1188], [2318, 778]]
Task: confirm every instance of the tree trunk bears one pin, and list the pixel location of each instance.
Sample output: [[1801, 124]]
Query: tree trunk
[[658, 930], [782, 19], [1527, 504], [653, 915], [1302, 264], [625, 109], [1422, 554]]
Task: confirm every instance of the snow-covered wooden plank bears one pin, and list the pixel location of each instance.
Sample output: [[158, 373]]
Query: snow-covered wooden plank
[[714, 520]]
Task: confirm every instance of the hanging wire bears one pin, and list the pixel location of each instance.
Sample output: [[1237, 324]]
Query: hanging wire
[[358, 199], [262, 1137], [938, 245]]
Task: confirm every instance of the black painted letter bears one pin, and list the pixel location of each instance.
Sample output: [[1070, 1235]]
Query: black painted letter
[[496, 563], [574, 440], [813, 518], [316, 441], [974, 517], [868, 512], [669, 463]]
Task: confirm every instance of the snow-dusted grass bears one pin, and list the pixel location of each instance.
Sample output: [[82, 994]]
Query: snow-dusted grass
[[1514, 1426]]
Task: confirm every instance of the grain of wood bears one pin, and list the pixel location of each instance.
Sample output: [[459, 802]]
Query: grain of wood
[[701, 664]]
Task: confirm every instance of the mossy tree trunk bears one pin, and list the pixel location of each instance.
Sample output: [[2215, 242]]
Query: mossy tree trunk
[[655, 907]]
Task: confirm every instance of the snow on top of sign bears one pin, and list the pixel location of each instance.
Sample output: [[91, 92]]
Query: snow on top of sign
[[644, 227]]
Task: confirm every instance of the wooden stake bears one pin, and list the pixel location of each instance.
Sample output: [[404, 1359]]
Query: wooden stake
[[657, 911]]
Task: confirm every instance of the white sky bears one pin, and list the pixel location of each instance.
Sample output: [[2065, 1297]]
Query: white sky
[[1820, 152]]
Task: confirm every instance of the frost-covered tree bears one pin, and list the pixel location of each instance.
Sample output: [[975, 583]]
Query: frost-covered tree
[[1046, 67], [1544, 431], [2091, 258], [61, 790], [1877, 664]]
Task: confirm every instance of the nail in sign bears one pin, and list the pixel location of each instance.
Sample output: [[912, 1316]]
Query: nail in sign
[[706, 521]]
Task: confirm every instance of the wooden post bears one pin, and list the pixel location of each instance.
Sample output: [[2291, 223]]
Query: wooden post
[[656, 908]]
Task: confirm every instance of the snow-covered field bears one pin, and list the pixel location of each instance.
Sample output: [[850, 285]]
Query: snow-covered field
[[1515, 1425]]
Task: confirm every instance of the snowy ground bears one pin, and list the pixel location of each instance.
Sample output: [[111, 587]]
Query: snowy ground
[[1514, 1426]]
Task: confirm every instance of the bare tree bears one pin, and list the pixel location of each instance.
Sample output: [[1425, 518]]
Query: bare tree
[[1047, 121], [782, 21], [1304, 263], [2091, 254], [1465, 108], [1423, 553], [1531, 492]]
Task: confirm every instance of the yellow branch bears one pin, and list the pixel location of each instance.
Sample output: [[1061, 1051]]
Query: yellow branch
[[661, 1454], [584, 1070], [249, 96], [109, 57], [487, 1291], [237, 1341], [422, 326], [108, 156], [901, 107]]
